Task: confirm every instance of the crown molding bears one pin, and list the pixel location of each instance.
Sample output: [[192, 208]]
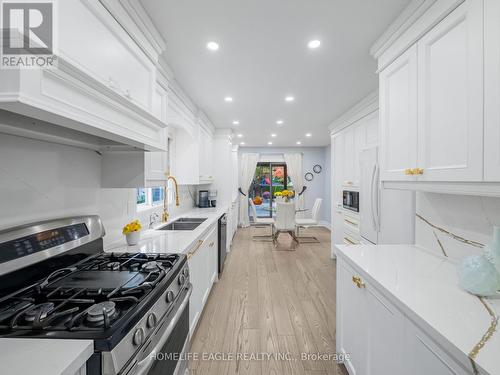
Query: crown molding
[[134, 20], [367, 105], [408, 17], [416, 20]]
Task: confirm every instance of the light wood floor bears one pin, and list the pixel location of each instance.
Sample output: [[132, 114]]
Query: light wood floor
[[270, 301]]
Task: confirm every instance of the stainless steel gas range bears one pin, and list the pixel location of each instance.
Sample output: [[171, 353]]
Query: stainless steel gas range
[[57, 282]]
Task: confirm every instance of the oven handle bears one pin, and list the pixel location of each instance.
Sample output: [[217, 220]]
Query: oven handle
[[143, 366]]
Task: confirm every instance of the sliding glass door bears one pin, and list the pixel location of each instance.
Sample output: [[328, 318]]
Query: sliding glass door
[[268, 179]]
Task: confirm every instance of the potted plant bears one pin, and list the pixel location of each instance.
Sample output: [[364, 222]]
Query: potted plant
[[132, 232]]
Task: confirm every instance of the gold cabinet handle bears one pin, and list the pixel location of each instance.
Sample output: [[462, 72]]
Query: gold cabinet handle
[[348, 240], [359, 283], [418, 171], [409, 172], [351, 222], [196, 248], [211, 244]]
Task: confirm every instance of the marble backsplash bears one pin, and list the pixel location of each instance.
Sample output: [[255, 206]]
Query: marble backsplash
[[455, 224]]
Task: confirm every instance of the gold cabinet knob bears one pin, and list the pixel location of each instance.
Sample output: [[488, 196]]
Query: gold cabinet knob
[[357, 280]]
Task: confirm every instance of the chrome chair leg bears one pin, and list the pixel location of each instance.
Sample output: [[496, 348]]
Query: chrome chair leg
[[306, 239], [263, 238]]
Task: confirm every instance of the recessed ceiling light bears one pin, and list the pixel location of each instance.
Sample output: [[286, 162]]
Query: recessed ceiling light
[[314, 44], [289, 98], [242, 143], [236, 122], [298, 142], [308, 134], [213, 46], [279, 122], [269, 143], [228, 99], [273, 135], [240, 135]]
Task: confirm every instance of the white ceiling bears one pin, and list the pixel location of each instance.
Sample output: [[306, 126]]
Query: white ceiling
[[263, 57]]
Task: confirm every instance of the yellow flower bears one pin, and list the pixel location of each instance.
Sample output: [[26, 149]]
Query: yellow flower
[[133, 226], [278, 194]]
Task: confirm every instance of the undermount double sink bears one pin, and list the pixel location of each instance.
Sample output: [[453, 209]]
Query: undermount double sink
[[184, 223]]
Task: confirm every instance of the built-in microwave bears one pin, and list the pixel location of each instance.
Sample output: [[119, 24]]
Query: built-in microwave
[[351, 200]]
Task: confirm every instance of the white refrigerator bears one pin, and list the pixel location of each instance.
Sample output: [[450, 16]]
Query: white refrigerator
[[386, 216]]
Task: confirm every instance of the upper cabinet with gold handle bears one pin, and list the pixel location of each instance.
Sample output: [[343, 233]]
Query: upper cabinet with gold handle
[[358, 281], [418, 171]]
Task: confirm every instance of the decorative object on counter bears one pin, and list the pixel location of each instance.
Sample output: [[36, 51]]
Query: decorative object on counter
[[132, 232], [317, 168], [492, 250], [309, 176], [479, 276]]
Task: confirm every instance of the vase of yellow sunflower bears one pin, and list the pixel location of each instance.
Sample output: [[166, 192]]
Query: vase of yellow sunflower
[[132, 232], [284, 195]]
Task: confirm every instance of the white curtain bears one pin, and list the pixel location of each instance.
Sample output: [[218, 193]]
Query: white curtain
[[248, 164], [295, 171]]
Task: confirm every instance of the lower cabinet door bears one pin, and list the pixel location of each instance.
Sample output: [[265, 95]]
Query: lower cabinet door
[[352, 329], [424, 356], [386, 334]]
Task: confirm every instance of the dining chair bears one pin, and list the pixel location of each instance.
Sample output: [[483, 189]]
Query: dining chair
[[285, 222], [309, 222], [261, 222]]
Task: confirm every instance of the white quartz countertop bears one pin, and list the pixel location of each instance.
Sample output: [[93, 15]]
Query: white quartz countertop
[[426, 288], [43, 356], [164, 241]]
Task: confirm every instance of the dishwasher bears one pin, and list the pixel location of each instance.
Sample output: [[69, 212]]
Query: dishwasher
[[222, 238]]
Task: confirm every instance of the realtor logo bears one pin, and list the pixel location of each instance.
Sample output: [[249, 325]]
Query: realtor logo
[[27, 34]]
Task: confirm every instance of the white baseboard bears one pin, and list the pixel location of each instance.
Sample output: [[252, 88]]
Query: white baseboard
[[326, 224]]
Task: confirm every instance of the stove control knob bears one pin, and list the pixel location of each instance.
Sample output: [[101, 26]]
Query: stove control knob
[[152, 320], [186, 272], [138, 336], [170, 296], [182, 278]]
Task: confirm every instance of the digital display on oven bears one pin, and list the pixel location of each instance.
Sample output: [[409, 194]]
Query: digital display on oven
[[41, 241]]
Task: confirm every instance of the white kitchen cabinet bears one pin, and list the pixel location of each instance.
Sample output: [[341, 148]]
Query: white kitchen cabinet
[[102, 86], [352, 321], [431, 99], [126, 169], [378, 336], [398, 117], [202, 259], [205, 142], [91, 40], [337, 186], [348, 157], [384, 358], [424, 356], [194, 156], [492, 90], [450, 97]]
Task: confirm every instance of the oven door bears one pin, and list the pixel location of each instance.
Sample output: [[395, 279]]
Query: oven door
[[169, 346]]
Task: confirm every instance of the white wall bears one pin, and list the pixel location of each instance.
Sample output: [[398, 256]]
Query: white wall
[[467, 216], [40, 180], [319, 187]]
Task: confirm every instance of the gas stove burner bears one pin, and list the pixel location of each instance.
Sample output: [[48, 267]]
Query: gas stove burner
[[97, 312], [113, 266], [151, 266], [41, 311]]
